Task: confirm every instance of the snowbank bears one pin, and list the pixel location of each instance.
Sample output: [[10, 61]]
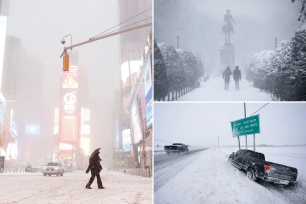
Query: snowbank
[[210, 179]]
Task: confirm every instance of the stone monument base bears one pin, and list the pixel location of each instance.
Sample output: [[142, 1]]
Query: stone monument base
[[227, 57]]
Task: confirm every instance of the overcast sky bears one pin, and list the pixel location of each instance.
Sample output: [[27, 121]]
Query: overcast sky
[[201, 123], [41, 25]]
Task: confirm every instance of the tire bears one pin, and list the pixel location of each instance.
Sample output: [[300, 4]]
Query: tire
[[49, 174], [44, 174], [251, 174], [168, 152], [62, 174]]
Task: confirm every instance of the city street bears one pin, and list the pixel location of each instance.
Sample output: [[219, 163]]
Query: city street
[[35, 188]]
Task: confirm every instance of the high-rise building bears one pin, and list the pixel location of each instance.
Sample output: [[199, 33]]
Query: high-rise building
[[132, 45]]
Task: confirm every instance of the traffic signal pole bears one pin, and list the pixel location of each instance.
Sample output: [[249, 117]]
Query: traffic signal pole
[[105, 36]]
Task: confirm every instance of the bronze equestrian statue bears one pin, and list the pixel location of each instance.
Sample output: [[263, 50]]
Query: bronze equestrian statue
[[227, 28]]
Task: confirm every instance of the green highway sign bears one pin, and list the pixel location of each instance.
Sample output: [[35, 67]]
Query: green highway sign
[[246, 126]]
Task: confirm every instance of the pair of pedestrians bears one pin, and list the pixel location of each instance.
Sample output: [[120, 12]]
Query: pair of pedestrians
[[236, 75]]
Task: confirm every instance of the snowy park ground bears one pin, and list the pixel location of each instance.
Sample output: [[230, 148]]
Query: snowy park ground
[[206, 177], [35, 188], [213, 90]]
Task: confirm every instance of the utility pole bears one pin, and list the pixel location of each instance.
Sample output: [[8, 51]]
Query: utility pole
[[246, 137]]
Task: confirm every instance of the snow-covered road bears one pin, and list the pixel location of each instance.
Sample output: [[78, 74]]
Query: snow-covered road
[[35, 188], [213, 90], [208, 178]]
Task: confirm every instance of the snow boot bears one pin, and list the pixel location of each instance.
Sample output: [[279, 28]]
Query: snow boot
[[88, 186], [101, 187]]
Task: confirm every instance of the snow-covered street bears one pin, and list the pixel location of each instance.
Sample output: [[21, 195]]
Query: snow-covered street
[[35, 188], [213, 90], [208, 178]]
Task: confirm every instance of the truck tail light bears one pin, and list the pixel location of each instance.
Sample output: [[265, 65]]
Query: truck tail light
[[176, 147], [267, 168]]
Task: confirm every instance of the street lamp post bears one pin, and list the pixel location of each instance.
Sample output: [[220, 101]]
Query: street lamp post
[[276, 36]]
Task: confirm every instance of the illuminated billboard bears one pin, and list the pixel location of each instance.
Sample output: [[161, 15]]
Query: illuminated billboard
[[137, 133], [3, 25], [32, 129], [85, 129], [85, 114], [65, 146], [148, 92], [70, 102], [85, 144], [126, 140], [69, 129], [85, 117]]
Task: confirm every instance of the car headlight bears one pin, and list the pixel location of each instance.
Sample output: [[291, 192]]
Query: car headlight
[[44, 167], [56, 168]]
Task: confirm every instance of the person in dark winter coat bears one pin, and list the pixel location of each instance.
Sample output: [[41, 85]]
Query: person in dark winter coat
[[95, 168], [237, 77], [226, 76]]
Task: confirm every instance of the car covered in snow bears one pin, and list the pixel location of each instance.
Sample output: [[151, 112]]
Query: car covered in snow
[[176, 147], [53, 168], [256, 166]]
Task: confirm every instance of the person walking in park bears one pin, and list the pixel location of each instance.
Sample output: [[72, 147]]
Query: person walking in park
[[226, 76], [95, 168], [237, 77]]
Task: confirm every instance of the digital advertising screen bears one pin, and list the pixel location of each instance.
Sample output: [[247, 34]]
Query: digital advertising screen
[[137, 133], [85, 129], [85, 114], [32, 129], [148, 92], [126, 140], [69, 129], [70, 102]]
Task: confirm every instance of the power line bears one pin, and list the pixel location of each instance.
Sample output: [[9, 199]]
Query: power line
[[260, 108], [122, 28], [121, 23]]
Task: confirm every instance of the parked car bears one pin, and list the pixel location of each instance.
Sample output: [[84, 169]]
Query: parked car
[[53, 168], [256, 166], [176, 147]]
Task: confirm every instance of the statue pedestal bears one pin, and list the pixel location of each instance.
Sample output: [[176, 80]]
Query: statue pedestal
[[227, 56]]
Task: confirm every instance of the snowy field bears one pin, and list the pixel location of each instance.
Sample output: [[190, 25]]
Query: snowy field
[[35, 188], [206, 177], [213, 90]]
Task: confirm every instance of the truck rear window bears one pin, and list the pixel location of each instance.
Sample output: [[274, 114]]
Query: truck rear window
[[253, 155]]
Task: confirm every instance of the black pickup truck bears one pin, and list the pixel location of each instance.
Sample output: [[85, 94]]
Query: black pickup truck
[[256, 167], [176, 147]]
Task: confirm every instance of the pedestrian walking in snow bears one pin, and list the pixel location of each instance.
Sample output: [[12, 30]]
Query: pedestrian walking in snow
[[95, 168], [237, 77], [226, 76]]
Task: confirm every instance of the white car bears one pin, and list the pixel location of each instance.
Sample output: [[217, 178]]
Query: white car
[[53, 168]]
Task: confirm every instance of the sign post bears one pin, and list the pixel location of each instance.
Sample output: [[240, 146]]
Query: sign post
[[246, 126]]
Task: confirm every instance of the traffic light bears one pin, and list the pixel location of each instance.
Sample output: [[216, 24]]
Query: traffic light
[[66, 63], [144, 154]]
